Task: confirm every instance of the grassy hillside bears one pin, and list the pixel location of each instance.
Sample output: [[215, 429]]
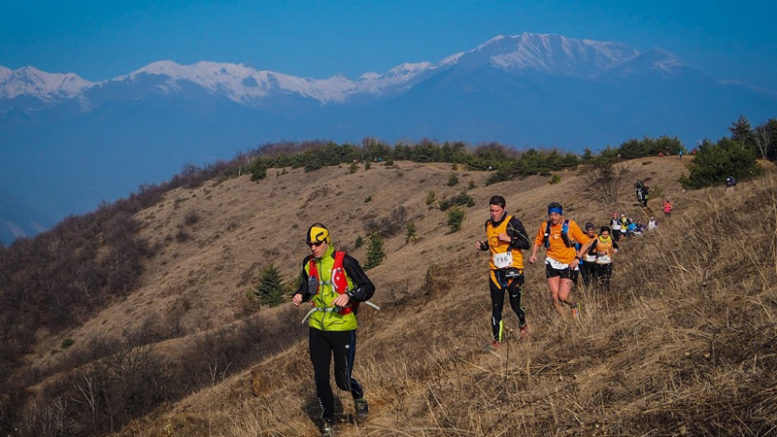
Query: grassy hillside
[[684, 344]]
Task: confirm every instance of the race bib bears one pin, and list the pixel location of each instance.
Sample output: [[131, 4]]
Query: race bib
[[603, 259], [555, 264], [503, 260], [589, 258]]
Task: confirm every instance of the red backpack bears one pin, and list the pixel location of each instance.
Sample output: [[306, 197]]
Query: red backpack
[[337, 278]]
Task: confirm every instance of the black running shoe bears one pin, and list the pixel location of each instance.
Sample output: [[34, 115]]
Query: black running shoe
[[362, 410]]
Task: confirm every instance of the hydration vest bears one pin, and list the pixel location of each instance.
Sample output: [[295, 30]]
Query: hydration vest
[[337, 279], [564, 234]]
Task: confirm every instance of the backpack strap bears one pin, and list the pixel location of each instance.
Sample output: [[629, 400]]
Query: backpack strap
[[339, 281], [565, 233]]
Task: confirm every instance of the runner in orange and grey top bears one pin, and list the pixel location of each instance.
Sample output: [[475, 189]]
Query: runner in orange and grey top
[[561, 257]]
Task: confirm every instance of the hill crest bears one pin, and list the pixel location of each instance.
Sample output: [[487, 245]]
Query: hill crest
[[425, 346]]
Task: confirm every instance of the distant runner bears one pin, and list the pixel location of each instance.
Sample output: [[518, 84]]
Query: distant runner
[[615, 224], [506, 237], [558, 235], [335, 284], [588, 263], [667, 208], [605, 247]]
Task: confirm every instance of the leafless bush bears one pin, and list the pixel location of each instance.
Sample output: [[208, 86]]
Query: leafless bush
[[191, 218], [388, 226], [604, 179]]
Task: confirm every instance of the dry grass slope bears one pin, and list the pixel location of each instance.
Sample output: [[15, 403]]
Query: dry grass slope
[[685, 343]]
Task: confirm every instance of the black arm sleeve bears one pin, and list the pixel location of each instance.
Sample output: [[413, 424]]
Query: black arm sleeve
[[303, 283], [484, 244], [363, 287], [517, 232]]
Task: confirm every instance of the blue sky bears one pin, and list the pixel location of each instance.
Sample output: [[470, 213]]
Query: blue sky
[[103, 39]]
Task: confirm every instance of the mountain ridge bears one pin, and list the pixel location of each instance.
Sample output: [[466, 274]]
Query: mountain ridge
[[65, 151], [552, 54]]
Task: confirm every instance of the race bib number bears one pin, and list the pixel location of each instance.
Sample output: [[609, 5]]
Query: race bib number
[[555, 264], [603, 259], [503, 260], [589, 258]]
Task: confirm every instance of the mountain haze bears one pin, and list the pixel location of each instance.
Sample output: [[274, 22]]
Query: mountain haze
[[68, 143]]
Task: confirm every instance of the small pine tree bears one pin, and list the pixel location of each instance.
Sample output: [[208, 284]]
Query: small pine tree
[[430, 196], [453, 179], [270, 288], [455, 218], [375, 253], [258, 169], [353, 168], [409, 232]]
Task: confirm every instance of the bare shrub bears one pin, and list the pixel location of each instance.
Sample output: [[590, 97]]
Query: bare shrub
[[603, 180], [191, 218], [388, 226]]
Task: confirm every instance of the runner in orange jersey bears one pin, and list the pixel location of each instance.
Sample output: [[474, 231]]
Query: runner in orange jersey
[[559, 235]]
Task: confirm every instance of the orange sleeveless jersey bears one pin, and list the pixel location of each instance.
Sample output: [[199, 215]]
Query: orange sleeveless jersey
[[557, 249], [495, 245]]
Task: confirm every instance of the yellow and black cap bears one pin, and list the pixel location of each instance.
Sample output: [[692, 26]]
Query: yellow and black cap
[[317, 233]]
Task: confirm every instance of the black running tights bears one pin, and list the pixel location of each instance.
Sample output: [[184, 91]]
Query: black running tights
[[513, 288], [323, 344]]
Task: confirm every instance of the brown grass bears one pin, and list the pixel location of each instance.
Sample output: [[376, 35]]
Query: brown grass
[[685, 343]]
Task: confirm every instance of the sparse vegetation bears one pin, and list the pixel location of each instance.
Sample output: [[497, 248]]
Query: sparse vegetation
[[604, 180], [182, 236], [375, 252], [714, 163], [410, 232], [389, 226], [461, 199], [270, 289], [430, 197], [191, 218], [649, 357], [455, 218]]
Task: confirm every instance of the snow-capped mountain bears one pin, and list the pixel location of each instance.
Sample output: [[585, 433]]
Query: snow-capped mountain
[[550, 54], [538, 53], [30, 81], [68, 143]]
